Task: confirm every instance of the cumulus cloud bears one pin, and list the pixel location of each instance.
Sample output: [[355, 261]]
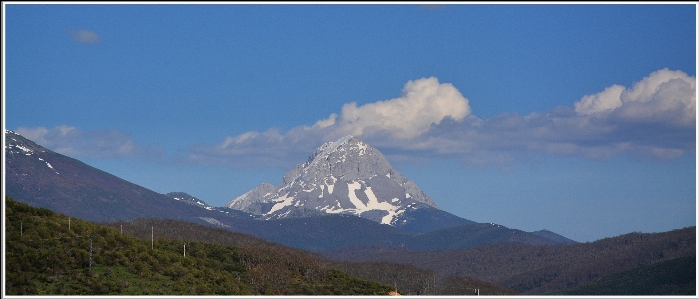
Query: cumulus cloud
[[73, 142], [653, 119], [663, 96], [85, 36], [423, 102], [605, 101]]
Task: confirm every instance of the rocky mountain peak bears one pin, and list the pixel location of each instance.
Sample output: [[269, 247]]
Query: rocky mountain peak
[[252, 200], [347, 158], [345, 176]]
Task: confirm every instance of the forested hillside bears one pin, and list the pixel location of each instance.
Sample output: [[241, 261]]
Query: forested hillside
[[677, 276], [532, 269], [49, 254], [408, 279]]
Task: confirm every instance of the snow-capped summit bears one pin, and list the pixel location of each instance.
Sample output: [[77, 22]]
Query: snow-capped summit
[[15, 144], [346, 176]]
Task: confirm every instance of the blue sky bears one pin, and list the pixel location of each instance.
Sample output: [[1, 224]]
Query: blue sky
[[580, 119]]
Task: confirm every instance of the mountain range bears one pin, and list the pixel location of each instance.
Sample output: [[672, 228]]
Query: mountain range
[[345, 195], [348, 203], [46, 179], [348, 177]]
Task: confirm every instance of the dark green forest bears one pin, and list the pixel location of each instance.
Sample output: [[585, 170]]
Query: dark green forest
[[677, 276], [408, 279], [48, 254], [536, 269]]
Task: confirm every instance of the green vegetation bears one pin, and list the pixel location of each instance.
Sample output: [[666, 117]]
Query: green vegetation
[[44, 256], [49, 254], [409, 280], [533, 269], [676, 277]]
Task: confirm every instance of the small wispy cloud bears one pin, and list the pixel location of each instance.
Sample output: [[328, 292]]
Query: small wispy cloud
[[73, 142], [433, 7], [85, 36], [653, 119]]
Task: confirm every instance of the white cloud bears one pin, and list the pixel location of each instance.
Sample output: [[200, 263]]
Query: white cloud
[[324, 123], [663, 96], [36, 134], [255, 149], [85, 36], [73, 142], [423, 102], [605, 101], [654, 119]]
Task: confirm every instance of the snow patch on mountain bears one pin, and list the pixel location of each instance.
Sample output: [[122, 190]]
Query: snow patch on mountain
[[346, 176], [186, 198], [28, 148], [213, 221], [282, 201]]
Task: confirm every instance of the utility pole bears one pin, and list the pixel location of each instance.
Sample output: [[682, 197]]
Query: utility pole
[[151, 238], [68, 222], [90, 252], [184, 250]]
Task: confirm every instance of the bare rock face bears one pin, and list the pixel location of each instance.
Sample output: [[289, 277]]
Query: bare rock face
[[346, 176], [253, 200], [188, 199]]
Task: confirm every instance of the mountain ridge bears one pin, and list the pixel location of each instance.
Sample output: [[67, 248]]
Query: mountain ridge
[[346, 176], [535, 269], [46, 179]]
